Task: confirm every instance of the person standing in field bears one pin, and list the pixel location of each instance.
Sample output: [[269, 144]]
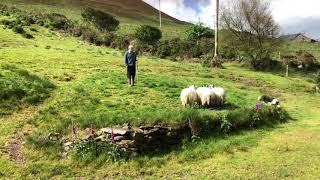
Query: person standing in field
[[130, 60]]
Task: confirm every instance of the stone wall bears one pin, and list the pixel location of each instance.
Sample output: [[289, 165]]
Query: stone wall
[[140, 139]]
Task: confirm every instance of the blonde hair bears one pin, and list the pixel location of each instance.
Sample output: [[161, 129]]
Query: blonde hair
[[130, 46]]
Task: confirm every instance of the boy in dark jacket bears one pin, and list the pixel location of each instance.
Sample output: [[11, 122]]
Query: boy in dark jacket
[[130, 60]]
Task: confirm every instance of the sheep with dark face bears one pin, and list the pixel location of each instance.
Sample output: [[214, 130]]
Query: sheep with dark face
[[270, 101]]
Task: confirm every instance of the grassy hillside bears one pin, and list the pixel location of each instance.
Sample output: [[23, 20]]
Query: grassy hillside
[[90, 89], [291, 48], [131, 13]]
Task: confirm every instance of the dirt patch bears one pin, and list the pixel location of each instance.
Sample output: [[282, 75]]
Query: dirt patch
[[14, 147]]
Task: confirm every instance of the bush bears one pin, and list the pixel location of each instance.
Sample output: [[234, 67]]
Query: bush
[[107, 39], [163, 49], [18, 29], [59, 22], [175, 48], [227, 52], [265, 64], [26, 20], [302, 60], [306, 60], [317, 79], [121, 42], [103, 21], [196, 32], [90, 35], [7, 23], [7, 11], [148, 34], [28, 36]]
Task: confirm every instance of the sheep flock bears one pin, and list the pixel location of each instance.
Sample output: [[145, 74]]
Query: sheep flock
[[207, 96]]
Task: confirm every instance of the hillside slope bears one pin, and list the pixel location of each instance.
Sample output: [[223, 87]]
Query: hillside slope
[[130, 13], [91, 90], [132, 8]]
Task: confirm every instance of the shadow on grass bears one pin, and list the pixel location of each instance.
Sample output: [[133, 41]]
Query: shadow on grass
[[216, 140], [195, 149]]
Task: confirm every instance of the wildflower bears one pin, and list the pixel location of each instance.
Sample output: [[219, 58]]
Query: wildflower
[[73, 129], [257, 106], [91, 132], [112, 136]]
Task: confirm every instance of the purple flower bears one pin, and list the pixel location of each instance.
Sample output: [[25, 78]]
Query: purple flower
[[112, 136], [74, 129], [91, 132], [257, 106]]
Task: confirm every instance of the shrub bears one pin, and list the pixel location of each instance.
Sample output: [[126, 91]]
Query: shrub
[[227, 52], [59, 22], [76, 31], [27, 35], [317, 79], [302, 60], [121, 42], [103, 21], [175, 48], [89, 35], [196, 32], [206, 45], [6, 22], [18, 29], [306, 60], [163, 49], [148, 34], [265, 64], [26, 20], [33, 29], [107, 38], [208, 60]]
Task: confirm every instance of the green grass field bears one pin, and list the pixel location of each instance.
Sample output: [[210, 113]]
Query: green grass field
[[89, 87], [54, 79]]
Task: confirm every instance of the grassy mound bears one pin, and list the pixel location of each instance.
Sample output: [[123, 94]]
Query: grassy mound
[[18, 88]]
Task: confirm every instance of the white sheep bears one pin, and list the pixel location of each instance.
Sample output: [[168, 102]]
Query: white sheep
[[189, 96], [211, 98], [207, 96], [221, 96], [201, 91]]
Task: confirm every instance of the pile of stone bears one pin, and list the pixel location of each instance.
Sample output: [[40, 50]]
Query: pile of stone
[[142, 139]]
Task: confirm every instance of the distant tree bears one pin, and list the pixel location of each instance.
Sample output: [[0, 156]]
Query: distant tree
[[102, 20], [253, 29], [148, 34], [198, 31]]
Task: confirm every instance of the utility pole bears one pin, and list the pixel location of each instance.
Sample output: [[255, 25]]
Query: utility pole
[[216, 30], [160, 19]]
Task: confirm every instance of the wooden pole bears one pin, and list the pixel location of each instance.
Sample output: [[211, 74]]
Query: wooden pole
[[216, 30], [160, 18]]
